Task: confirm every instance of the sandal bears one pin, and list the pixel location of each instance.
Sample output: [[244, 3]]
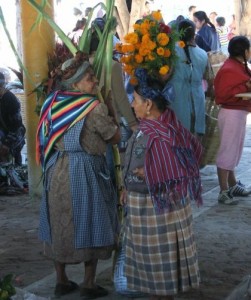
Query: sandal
[[93, 293], [65, 288]]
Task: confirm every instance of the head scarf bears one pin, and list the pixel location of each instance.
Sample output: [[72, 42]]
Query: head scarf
[[73, 70], [150, 93]]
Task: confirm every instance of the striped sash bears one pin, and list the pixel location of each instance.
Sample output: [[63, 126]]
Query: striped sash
[[60, 111], [171, 161]]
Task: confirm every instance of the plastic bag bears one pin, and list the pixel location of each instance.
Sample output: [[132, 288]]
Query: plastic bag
[[24, 295], [242, 291], [119, 279]]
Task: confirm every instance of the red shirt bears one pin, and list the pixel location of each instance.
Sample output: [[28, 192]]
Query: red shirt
[[231, 80]]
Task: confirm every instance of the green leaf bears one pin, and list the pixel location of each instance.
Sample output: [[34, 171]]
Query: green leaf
[[65, 39], [19, 61]]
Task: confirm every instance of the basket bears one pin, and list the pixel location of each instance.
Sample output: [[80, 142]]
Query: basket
[[211, 139]]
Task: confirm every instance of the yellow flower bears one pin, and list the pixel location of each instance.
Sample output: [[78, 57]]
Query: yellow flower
[[164, 70], [181, 44], [163, 39], [144, 28], [138, 58], [160, 51], [167, 53], [157, 15]]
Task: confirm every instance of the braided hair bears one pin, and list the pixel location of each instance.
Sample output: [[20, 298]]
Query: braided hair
[[237, 47], [187, 29]]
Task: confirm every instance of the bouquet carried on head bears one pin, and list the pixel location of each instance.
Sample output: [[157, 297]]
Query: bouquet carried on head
[[150, 46]]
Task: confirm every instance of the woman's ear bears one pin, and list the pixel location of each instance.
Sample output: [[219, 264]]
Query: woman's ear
[[149, 104]]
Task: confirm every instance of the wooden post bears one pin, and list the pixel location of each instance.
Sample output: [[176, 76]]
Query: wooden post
[[36, 44]]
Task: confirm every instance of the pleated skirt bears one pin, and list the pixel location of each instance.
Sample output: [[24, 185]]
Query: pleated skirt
[[161, 256]]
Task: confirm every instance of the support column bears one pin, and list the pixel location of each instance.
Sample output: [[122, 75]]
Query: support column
[[37, 42]]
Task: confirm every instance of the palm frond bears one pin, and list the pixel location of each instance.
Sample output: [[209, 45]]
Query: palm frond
[[19, 61], [65, 39]]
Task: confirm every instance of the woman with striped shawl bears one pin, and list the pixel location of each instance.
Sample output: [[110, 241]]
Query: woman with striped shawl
[[161, 177], [78, 219]]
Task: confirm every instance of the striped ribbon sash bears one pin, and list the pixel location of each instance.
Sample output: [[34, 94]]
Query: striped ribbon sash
[[60, 111]]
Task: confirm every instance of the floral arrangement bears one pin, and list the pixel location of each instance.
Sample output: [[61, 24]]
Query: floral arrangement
[[150, 46]]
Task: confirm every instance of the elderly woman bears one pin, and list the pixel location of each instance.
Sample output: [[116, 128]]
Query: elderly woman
[[161, 178], [78, 221]]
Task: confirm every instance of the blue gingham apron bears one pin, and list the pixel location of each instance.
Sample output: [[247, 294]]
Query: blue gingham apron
[[93, 196]]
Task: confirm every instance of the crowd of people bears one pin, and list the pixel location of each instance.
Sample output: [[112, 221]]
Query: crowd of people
[[79, 218]]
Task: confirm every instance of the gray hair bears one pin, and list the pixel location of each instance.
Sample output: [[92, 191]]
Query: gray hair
[[66, 84]]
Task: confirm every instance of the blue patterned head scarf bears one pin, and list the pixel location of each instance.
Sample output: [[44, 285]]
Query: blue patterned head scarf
[[149, 92]]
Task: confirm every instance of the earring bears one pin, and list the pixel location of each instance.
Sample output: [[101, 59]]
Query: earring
[[148, 112]]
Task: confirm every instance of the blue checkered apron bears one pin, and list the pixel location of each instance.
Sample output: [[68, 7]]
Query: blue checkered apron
[[93, 196]]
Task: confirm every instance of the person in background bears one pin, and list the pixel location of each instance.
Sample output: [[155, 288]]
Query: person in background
[[147, 10], [77, 30], [206, 37], [78, 218], [212, 17], [191, 10], [190, 68], [234, 77], [174, 23], [232, 28], [161, 177], [87, 11], [12, 129], [223, 34]]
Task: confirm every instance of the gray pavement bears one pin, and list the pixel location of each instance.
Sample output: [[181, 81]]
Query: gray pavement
[[212, 212]]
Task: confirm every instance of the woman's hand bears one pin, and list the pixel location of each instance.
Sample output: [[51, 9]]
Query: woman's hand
[[123, 198], [139, 172], [248, 85]]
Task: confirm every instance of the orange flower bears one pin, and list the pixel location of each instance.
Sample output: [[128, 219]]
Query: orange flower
[[167, 53], [181, 44], [127, 48], [164, 70], [136, 26], [152, 45], [143, 51], [160, 51], [139, 58], [133, 81], [163, 39], [118, 47], [128, 69], [151, 57], [157, 15], [145, 38], [132, 38]]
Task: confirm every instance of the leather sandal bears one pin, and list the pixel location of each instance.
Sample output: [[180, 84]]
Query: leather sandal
[[93, 293], [65, 288]]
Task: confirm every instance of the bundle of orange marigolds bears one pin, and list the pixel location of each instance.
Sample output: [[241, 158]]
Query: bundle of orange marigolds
[[151, 46]]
